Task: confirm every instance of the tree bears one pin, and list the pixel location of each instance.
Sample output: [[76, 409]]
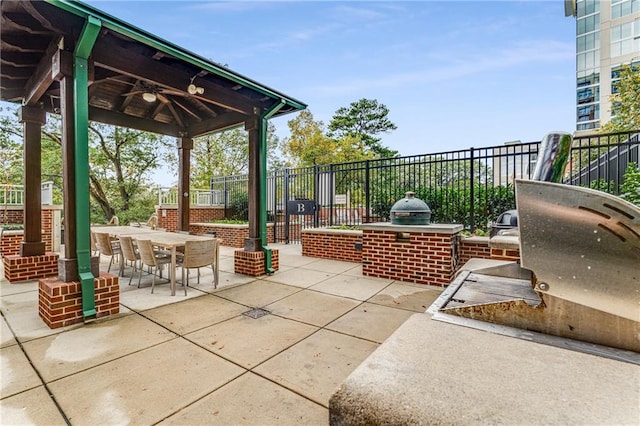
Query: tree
[[120, 160], [625, 102], [364, 119], [309, 144], [227, 153]]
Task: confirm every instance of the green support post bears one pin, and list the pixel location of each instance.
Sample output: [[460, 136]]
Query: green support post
[[262, 152], [81, 123]]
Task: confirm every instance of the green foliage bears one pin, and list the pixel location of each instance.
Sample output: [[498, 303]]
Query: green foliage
[[226, 154], [630, 188], [309, 145], [346, 227], [238, 208], [365, 120], [453, 205], [231, 221], [625, 102], [603, 185]]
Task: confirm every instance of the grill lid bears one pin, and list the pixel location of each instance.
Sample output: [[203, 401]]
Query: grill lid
[[410, 211]]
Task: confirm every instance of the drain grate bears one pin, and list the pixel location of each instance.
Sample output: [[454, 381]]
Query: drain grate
[[256, 313]]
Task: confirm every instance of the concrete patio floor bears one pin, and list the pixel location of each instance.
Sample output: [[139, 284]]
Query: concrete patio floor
[[198, 359]]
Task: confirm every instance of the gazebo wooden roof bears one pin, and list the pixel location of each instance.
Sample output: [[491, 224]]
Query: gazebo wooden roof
[[126, 62], [66, 57]]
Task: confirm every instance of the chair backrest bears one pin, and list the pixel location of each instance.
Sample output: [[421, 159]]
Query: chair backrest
[[103, 243], [200, 253], [128, 251], [147, 255]]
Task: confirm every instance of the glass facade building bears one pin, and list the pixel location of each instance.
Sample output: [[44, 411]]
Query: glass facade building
[[607, 37]]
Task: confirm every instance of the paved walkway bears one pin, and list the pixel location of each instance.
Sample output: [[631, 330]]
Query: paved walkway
[[199, 359]]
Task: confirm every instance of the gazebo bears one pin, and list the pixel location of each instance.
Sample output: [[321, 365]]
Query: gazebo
[[68, 58]]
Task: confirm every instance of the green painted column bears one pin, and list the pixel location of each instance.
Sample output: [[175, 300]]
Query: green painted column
[[81, 119]]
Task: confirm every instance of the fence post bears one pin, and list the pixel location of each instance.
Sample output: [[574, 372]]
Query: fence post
[[332, 193], [316, 185], [472, 192], [367, 192], [286, 202]]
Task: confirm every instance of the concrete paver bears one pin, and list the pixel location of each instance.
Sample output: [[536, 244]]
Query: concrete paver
[[413, 297], [371, 322], [33, 407], [259, 401], [299, 277], [312, 307], [257, 293], [193, 314], [332, 266], [197, 359], [6, 336], [21, 311], [248, 341], [318, 364], [96, 343], [144, 387], [359, 288], [16, 372]]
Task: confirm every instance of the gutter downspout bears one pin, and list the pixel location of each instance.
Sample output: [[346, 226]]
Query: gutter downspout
[[81, 122], [262, 152]]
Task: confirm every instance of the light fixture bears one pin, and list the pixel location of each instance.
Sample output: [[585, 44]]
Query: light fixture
[[149, 97], [193, 89]]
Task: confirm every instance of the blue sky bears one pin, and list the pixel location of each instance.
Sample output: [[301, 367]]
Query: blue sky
[[453, 74]]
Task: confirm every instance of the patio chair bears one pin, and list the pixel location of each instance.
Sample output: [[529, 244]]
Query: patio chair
[[198, 254], [130, 253], [107, 247], [152, 258]]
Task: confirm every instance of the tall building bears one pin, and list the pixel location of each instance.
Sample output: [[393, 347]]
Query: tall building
[[607, 37]]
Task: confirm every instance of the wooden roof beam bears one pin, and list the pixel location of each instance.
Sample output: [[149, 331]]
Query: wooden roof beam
[[123, 120], [53, 64], [155, 72]]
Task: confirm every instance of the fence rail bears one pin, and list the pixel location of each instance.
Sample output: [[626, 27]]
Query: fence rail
[[471, 187], [13, 195]]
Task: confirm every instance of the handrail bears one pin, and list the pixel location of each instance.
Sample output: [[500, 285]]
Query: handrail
[[13, 194], [198, 197]]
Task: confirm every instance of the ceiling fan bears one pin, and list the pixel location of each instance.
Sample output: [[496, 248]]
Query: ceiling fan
[[151, 93]]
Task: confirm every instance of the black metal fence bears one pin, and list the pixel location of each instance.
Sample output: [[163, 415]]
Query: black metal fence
[[471, 187]]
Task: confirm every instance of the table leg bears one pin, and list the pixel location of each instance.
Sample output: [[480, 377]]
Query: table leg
[[173, 271]]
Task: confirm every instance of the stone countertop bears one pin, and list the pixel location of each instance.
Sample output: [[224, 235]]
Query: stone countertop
[[431, 372], [435, 228]]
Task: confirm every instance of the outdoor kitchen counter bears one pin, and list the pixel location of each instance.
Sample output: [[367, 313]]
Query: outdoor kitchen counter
[[431, 372]]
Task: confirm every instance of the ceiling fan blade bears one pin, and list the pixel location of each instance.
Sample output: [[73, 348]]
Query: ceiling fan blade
[[162, 98]]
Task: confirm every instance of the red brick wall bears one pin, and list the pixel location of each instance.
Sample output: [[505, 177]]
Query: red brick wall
[[10, 241], [498, 253], [18, 268], [426, 258], [252, 263], [337, 246], [231, 235], [474, 247], [60, 303], [196, 214], [11, 216]]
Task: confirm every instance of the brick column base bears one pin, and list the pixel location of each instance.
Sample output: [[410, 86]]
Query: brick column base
[[252, 262], [60, 303], [26, 268]]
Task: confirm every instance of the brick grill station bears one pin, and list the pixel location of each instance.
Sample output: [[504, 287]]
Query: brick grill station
[[422, 254]]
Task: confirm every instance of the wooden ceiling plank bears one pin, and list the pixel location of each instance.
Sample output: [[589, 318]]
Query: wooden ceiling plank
[[18, 60], [219, 123], [31, 9], [155, 72], [123, 120], [176, 115], [11, 20], [187, 110], [211, 112]]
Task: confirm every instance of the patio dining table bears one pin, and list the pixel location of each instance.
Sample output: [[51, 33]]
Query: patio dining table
[[169, 241]]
